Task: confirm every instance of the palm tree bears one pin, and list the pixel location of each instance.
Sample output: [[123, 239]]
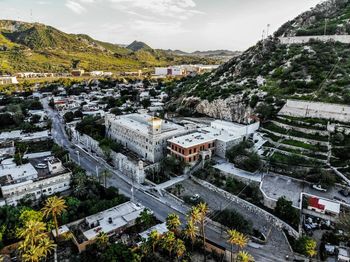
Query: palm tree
[[32, 232], [106, 174], [173, 222], [33, 254], [36, 244], [54, 206], [191, 231], [153, 239], [168, 242], [102, 240], [203, 210], [244, 256], [46, 245], [180, 248], [79, 180], [145, 217], [236, 238]]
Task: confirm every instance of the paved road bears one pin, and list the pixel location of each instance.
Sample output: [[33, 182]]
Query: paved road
[[160, 206]]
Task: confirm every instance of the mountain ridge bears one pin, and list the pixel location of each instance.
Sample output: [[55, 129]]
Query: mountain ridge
[[39, 47]]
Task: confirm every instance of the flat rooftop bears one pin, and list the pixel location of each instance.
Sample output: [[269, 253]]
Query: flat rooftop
[[192, 140], [142, 122], [112, 219], [19, 173], [160, 228], [221, 135]]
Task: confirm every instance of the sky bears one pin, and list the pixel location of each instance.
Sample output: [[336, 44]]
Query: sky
[[188, 25]]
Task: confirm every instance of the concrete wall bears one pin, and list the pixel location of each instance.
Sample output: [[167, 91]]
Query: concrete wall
[[262, 214], [305, 39], [320, 110]]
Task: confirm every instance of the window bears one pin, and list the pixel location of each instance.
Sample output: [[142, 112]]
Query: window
[[190, 151], [195, 150], [190, 159]]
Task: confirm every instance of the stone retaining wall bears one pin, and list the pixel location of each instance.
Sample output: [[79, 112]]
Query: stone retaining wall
[[345, 39], [278, 223]]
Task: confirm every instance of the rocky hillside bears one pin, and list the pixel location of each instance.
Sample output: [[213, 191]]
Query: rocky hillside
[[330, 17], [259, 80], [38, 47]]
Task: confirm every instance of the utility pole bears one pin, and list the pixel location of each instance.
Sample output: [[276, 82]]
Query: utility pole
[[78, 153], [97, 174]]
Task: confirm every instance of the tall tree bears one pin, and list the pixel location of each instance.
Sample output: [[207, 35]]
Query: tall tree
[[54, 206], [168, 242], [203, 210], [236, 238], [244, 256], [180, 248], [191, 231], [153, 239], [173, 222]]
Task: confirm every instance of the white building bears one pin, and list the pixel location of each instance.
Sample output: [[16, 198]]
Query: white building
[[170, 71], [25, 181], [19, 135], [143, 134], [111, 221], [7, 80]]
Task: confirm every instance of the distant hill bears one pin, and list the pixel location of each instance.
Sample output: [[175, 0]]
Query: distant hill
[[137, 46], [38, 47], [221, 55]]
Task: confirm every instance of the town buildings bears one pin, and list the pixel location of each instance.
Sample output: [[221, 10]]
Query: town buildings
[[111, 221], [216, 139], [143, 134], [27, 181], [183, 70], [7, 80]]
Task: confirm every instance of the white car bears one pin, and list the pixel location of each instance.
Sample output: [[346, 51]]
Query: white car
[[41, 166], [49, 158], [319, 188]]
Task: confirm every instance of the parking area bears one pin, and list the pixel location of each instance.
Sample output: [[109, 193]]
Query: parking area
[[276, 186]]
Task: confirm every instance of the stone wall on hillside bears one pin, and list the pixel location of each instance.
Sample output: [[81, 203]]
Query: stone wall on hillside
[[305, 39]]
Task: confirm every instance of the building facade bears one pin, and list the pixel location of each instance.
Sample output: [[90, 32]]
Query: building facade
[[143, 134], [32, 184]]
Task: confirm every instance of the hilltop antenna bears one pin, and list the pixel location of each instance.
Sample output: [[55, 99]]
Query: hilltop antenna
[[263, 35], [267, 30], [31, 15]]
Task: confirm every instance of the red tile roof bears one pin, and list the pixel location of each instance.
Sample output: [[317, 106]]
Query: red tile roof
[[313, 202]]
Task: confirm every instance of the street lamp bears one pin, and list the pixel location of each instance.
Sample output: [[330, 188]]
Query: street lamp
[[78, 153]]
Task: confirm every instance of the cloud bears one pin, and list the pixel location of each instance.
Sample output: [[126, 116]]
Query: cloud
[[75, 6], [182, 9]]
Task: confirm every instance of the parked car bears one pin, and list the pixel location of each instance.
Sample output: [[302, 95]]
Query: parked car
[[49, 158], [195, 197], [41, 166], [319, 188]]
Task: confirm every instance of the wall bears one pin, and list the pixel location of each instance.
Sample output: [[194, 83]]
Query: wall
[[324, 38], [262, 214], [316, 110]]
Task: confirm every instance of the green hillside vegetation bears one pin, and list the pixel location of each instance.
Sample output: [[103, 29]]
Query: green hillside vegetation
[[38, 47], [337, 14]]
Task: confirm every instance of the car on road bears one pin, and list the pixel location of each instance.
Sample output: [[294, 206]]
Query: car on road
[[41, 166], [319, 188]]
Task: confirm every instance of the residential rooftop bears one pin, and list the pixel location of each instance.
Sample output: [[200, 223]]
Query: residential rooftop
[[191, 140], [112, 219]]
